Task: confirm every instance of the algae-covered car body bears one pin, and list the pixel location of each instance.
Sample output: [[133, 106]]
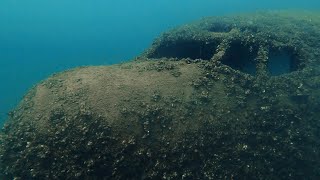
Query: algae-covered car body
[[234, 97]]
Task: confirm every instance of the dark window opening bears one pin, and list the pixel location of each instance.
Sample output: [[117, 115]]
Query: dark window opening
[[281, 62], [220, 27], [240, 57], [186, 49]]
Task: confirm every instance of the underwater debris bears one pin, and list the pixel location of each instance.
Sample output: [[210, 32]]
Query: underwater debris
[[231, 97]]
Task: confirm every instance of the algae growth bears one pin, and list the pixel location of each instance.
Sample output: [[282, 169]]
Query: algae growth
[[233, 97]]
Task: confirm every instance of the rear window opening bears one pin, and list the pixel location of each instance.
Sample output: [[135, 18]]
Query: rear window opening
[[219, 27], [241, 57], [282, 62], [185, 49]]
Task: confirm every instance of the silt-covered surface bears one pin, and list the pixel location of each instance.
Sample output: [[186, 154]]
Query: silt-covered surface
[[234, 97]]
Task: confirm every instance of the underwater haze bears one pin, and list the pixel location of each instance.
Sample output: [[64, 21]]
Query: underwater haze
[[38, 38]]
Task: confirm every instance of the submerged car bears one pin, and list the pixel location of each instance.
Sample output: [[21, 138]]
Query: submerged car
[[230, 97]]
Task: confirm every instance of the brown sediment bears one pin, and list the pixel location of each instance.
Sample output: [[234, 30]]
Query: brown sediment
[[203, 102]]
